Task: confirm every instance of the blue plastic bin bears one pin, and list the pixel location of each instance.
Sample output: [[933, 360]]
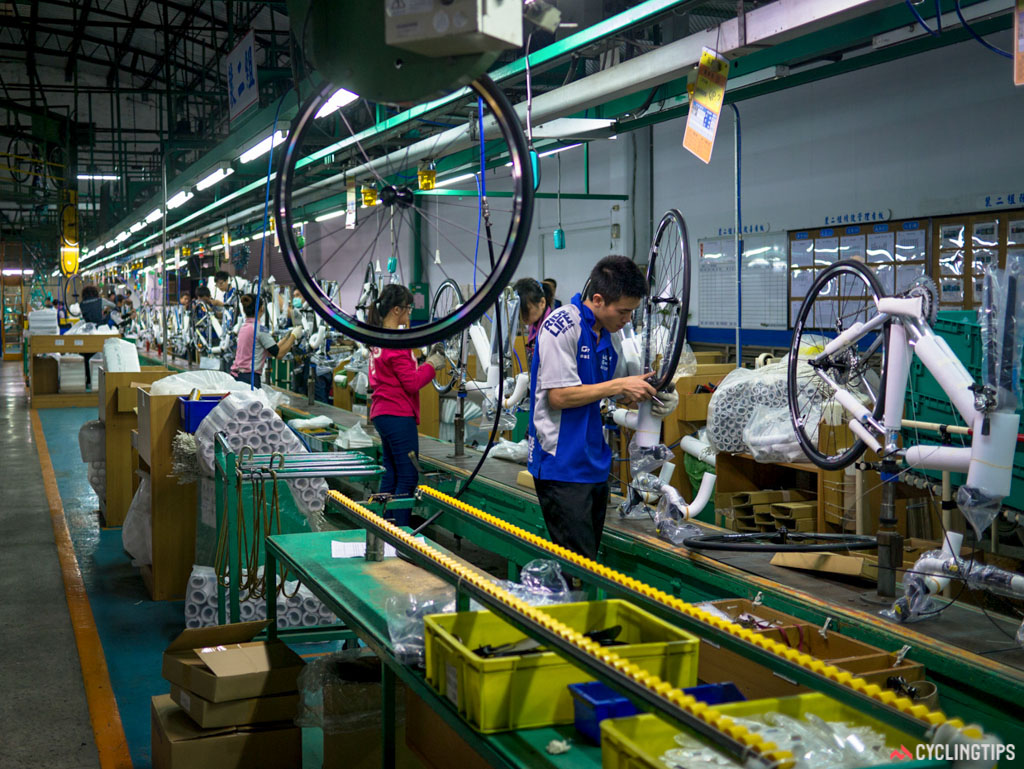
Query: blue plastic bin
[[594, 702], [194, 411]]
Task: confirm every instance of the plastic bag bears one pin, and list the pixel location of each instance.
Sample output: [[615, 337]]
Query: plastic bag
[[687, 363], [137, 530], [735, 400], [354, 437], [311, 423], [92, 441], [541, 583], [119, 355], [1001, 317], [98, 479], [340, 693], [405, 615], [771, 438], [513, 452]]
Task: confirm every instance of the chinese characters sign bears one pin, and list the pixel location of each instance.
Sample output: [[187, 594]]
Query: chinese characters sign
[[859, 217], [706, 104], [243, 90]]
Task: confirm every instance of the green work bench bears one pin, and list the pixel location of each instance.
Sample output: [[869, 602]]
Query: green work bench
[[356, 590]]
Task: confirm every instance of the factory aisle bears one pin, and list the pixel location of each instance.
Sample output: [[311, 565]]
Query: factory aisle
[[44, 708]]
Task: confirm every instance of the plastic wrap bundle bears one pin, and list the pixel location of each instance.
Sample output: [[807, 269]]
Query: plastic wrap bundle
[[204, 381], [510, 450], [137, 530], [735, 399], [92, 437], [354, 437], [98, 480], [71, 373], [43, 321], [541, 583], [95, 363], [770, 436], [405, 615], [296, 606], [120, 355], [247, 421]]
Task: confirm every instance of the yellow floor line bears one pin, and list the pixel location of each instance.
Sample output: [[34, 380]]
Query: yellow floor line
[[103, 713]]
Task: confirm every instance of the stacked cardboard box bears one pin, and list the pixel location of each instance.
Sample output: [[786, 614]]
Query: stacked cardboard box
[[232, 702], [755, 510]]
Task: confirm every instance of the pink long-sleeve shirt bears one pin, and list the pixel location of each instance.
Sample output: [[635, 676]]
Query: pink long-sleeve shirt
[[396, 381]]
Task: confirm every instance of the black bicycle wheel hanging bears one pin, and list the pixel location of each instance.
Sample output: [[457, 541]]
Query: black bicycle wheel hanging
[[842, 295], [448, 299], [318, 177], [668, 301]]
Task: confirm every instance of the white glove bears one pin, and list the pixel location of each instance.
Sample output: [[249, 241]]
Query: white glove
[[669, 401], [297, 332]]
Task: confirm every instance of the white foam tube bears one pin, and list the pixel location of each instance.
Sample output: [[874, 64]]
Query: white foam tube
[[193, 623], [648, 427], [519, 391], [198, 595], [898, 369], [262, 429], [247, 611], [707, 485], [294, 617], [481, 344], [949, 372], [254, 408], [310, 619], [208, 614], [955, 459], [282, 606], [862, 432], [624, 418], [191, 610], [991, 469], [310, 604], [698, 449]]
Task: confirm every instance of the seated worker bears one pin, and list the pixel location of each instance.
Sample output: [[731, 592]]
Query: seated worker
[[535, 304], [94, 309], [575, 366], [244, 366]]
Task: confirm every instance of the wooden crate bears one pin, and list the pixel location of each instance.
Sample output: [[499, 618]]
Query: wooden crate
[[43, 377], [693, 406]]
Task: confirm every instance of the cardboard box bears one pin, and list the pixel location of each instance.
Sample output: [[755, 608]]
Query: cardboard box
[[769, 496], [852, 565], [223, 663], [177, 743], [693, 406], [254, 710], [795, 509], [525, 479], [434, 741]]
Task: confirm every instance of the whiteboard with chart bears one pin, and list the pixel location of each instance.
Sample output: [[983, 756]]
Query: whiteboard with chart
[[765, 282]]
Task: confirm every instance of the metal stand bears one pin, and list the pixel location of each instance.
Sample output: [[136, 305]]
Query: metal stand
[[890, 541], [460, 424]]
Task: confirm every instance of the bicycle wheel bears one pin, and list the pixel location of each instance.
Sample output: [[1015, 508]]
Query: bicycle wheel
[[19, 159], [55, 167], [316, 172], [447, 299], [70, 295], [369, 294], [781, 541], [668, 300], [843, 294]]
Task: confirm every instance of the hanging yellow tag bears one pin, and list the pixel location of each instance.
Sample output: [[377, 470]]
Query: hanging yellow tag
[[706, 104], [1018, 43]]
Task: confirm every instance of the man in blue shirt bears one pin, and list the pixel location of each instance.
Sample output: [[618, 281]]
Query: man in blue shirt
[[576, 365]]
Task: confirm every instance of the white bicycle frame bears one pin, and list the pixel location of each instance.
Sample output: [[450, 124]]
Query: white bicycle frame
[[988, 461]]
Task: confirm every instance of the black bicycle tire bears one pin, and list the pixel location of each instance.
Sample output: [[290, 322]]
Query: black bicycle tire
[[447, 283], [12, 164], [849, 456], [52, 179], [742, 542], [423, 335], [671, 216], [68, 281]]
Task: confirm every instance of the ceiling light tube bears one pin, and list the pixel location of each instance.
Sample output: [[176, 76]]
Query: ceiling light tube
[[331, 215], [217, 247], [221, 173], [109, 244], [180, 199], [454, 180], [99, 177], [136, 227], [560, 149], [263, 147], [338, 99], [154, 215], [121, 237]]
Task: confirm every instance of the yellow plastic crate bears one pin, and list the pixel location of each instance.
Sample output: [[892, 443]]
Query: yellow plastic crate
[[638, 742], [529, 691]]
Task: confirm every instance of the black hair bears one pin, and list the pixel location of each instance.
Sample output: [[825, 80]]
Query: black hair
[[553, 282], [90, 292], [221, 275], [393, 295], [118, 298], [249, 305], [531, 291], [203, 293], [615, 277]]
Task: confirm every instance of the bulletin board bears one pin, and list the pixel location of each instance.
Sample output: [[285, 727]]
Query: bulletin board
[[716, 283]]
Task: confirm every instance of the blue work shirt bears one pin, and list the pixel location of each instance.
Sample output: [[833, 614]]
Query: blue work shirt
[[568, 444]]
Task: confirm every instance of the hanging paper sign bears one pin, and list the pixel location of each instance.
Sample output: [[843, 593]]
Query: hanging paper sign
[[1018, 43], [706, 104], [243, 90]]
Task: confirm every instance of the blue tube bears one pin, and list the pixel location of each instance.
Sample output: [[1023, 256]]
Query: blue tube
[[976, 36], [938, 18]]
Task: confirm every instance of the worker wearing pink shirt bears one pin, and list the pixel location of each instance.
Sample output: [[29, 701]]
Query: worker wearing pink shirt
[[395, 382]]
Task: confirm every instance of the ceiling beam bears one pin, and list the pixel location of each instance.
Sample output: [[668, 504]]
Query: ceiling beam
[[123, 46], [76, 41], [190, 14]]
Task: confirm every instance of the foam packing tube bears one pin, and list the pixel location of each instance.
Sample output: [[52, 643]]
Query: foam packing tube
[[208, 615], [247, 611], [191, 610], [310, 619], [311, 605], [199, 595], [294, 616], [193, 623]]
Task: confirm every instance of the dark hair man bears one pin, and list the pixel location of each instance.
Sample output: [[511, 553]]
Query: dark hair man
[[576, 365]]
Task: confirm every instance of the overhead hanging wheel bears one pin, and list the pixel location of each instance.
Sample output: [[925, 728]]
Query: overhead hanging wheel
[[317, 175], [447, 300], [70, 293], [667, 305]]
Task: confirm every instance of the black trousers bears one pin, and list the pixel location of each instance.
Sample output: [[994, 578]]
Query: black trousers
[[246, 377], [574, 513]]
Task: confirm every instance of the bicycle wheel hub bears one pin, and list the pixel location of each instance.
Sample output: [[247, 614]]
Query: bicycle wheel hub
[[400, 195]]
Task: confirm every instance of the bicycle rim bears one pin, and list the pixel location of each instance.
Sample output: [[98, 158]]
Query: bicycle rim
[[382, 230], [447, 299], [794, 542], [668, 301], [841, 295]]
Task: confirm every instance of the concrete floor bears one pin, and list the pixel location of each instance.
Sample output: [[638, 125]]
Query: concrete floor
[[43, 708]]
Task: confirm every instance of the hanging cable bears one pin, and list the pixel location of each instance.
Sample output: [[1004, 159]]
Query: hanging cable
[[975, 35], [920, 20], [263, 246]]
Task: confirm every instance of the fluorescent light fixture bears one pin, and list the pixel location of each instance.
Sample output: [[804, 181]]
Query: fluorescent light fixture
[[19, 272], [213, 178], [109, 244], [259, 235], [298, 224], [331, 215], [121, 237], [454, 180], [179, 200], [239, 242], [99, 177], [339, 99], [136, 227], [55, 273], [261, 149], [154, 215], [217, 247], [560, 149]]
